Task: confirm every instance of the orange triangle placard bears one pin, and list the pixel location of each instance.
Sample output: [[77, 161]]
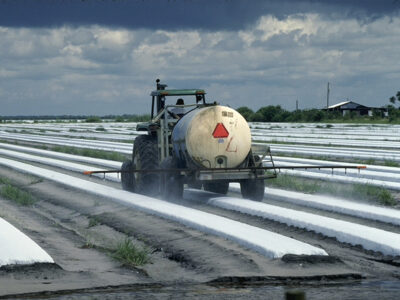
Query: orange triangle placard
[[220, 131]]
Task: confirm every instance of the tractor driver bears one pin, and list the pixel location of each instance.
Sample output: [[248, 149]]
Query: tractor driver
[[199, 98], [179, 111]]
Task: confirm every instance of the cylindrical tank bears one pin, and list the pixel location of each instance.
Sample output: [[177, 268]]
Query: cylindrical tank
[[212, 137]]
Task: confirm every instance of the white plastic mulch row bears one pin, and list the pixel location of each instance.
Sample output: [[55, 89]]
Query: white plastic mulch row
[[328, 141], [345, 179], [355, 234], [337, 152], [323, 202], [342, 149], [108, 135], [361, 210], [284, 129], [109, 126], [380, 176], [359, 173], [363, 153], [89, 135], [18, 248], [288, 128], [90, 144], [60, 163], [317, 150], [378, 179], [366, 136], [373, 173], [366, 211], [67, 140], [370, 168], [265, 242], [119, 133], [64, 156], [362, 174]]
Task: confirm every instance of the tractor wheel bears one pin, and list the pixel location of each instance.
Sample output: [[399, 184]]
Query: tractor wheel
[[145, 157], [171, 183], [127, 178], [253, 189], [220, 187]]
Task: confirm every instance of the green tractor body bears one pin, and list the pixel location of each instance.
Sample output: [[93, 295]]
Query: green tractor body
[[199, 144]]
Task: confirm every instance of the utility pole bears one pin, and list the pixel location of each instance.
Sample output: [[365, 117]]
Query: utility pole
[[327, 96], [297, 104]]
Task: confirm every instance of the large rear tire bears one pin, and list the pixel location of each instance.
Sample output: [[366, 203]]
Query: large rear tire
[[253, 189], [145, 157], [127, 177], [220, 187], [171, 182]]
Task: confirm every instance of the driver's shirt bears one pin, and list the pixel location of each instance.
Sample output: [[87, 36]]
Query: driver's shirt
[[178, 110]]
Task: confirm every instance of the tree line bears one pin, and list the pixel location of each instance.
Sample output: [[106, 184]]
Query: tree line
[[276, 113], [269, 113]]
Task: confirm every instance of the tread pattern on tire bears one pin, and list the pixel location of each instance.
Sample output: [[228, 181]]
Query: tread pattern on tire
[[145, 147], [127, 179]]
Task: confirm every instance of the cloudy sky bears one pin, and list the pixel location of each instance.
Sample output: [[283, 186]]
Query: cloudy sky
[[102, 56]]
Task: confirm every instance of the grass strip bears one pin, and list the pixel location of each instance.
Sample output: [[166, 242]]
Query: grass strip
[[295, 184], [90, 153], [370, 161], [4, 180], [77, 151], [100, 128], [93, 221], [129, 254], [383, 196], [17, 195], [391, 163], [363, 192]]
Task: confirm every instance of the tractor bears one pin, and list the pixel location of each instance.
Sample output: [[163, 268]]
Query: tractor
[[198, 144]]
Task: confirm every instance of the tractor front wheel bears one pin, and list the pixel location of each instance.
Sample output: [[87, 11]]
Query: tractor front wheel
[[127, 177], [145, 157]]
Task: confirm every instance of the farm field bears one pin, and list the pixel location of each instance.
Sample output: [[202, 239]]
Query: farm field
[[312, 225]]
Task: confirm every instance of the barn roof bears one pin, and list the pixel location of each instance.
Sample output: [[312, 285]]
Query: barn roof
[[348, 105]]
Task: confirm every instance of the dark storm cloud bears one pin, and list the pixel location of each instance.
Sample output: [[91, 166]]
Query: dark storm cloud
[[178, 14], [102, 57]]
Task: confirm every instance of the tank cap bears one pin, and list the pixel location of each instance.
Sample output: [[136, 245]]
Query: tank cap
[[220, 131]]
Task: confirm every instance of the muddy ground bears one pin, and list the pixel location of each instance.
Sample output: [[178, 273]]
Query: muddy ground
[[184, 262]]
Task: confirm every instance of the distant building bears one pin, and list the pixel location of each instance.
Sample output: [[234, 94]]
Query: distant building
[[361, 110]]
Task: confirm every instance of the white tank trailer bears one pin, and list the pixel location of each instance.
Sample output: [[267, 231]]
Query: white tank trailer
[[212, 137], [205, 146]]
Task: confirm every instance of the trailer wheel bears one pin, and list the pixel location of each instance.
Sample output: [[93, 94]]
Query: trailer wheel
[[145, 157], [127, 178], [171, 183], [220, 187], [253, 189]]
